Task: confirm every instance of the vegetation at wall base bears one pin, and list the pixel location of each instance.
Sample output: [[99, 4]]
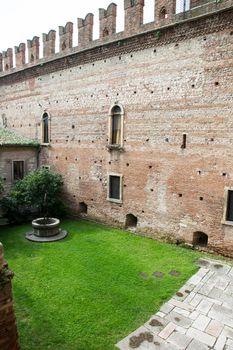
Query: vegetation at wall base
[[38, 194], [5, 276], [91, 289]]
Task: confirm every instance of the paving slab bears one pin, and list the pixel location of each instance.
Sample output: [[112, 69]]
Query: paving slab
[[178, 319], [165, 333], [229, 344], [198, 317], [202, 336], [179, 339], [201, 322], [214, 328], [197, 345]]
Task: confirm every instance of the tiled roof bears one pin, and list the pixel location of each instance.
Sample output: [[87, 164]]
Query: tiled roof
[[9, 138]]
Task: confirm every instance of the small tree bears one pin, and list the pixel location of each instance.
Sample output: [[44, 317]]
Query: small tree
[[39, 191]]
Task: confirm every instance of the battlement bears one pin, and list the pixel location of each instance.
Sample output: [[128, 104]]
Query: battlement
[[7, 59], [85, 29], [133, 15], [20, 55], [49, 41], [166, 13], [66, 37], [33, 49], [107, 21]]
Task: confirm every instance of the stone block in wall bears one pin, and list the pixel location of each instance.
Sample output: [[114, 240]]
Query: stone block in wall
[[33, 49], [107, 20], [49, 41], [85, 30], [66, 37], [20, 55], [133, 15], [7, 59]]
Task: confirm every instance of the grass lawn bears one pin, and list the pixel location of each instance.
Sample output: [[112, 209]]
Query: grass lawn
[[87, 292]]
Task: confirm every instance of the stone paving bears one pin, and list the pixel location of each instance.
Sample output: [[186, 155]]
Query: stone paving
[[198, 317]]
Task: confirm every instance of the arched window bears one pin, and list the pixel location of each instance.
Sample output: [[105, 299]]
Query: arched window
[[163, 13], [116, 126], [105, 32], [45, 128]]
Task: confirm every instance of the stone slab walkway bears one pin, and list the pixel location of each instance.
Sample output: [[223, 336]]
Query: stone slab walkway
[[198, 317]]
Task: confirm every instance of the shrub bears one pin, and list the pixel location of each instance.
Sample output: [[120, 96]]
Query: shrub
[[38, 193]]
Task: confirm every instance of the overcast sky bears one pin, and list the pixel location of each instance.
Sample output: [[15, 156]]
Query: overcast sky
[[22, 19]]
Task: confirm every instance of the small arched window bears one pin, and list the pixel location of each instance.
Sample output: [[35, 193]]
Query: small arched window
[[45, 128], [105, 32], [163, 13], [116, 126]]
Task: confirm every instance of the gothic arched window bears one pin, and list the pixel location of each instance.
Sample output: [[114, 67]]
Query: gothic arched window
[[116, 126]]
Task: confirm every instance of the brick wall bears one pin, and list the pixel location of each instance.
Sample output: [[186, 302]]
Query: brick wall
[[195, 3], [8, 330], [178, 82], [10, 154]]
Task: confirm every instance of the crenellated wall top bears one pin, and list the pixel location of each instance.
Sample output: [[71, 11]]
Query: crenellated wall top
[[111, 11], [164, 16]]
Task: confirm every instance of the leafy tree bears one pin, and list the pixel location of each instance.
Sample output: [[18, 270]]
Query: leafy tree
[[38, 193]]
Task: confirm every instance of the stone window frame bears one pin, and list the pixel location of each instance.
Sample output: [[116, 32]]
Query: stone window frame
[[12, 169], [42, 129], [110, 145], [114, 200], [224, 220]]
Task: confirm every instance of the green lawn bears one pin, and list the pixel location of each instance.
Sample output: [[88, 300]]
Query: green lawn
[[86, 292]]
